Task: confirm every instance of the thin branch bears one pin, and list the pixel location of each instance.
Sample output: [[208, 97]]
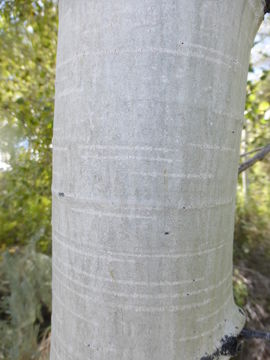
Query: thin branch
[[255, 334], [251, 152], [258, 157]]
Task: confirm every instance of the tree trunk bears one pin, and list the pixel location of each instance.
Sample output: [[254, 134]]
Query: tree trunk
[[149, 104]]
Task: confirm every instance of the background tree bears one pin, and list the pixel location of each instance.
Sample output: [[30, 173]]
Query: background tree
[[28, 33], [28, 43]]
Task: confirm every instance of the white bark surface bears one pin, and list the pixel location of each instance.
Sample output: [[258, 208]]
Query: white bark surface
[[148, 114]]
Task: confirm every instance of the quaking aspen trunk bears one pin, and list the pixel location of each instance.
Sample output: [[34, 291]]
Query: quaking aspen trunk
[[148, 115]]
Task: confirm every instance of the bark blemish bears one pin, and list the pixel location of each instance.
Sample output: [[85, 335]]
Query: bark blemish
[[166, 180], [241, 311], [230, 346], [166, 233], [112, 274], [61, 194]]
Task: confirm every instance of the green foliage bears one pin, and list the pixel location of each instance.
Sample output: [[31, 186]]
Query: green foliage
[[240, 289], [28, 33], [256, 114], [252, 230], [25, 290]]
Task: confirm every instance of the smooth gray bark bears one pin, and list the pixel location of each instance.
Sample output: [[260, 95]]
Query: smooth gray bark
[[148, 114]]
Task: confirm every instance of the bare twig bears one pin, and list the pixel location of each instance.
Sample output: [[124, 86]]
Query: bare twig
[[258, 157], [255, 334], [251, 152]]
